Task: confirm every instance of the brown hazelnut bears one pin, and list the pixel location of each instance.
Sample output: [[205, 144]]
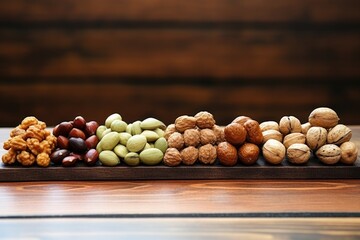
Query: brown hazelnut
[[189, 155], [241, 119], [254, 134], [172, 157], [227, 154], [289, 124], [349, 153], [235, 133], [207, 136], [192, 137], [170, 129], [204, 120], [207, 154], [176, 140], [219, 133], [184, 122], [248, 153]]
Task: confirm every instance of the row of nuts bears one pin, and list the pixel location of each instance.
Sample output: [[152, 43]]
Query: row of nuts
[[134, 143], [191, 139], [322, 134], [242, 139], [76, 141], [29, 143]]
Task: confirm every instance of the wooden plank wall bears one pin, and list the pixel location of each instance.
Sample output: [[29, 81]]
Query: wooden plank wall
[[165, 58]]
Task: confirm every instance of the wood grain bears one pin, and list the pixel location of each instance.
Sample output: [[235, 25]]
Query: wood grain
[[184, 228], [321, 11]]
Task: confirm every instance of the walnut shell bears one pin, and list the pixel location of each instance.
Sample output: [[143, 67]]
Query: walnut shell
[[323, 117], [289, 124], [207, 154], [241, 119], [172, 157], [248, 153], [293, 138], [349, 153], [272, 134], [235, 133], [189, 155], [176, 140], [185, 122], [227, 154], [269, 125], [316, 137], [273, 151], [298, 153], [207, 136], [204, 119], [254, 133], [170, 129], [219, 133], [329, 154], [339, 134], [192, 137]]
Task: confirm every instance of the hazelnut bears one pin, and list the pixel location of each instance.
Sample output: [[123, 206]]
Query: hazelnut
[[227, 154], [293, 138], [329, 154], [305, 127], [207, 136], [184, 122], [172, 157], [204, 120], [207, 154], [248, 153], [316, 137], [235, 133], [176, 140], [269, 125], [323, 117], [272, 134], [298, 153], [170, 129], [349, 153], [219, 133], [254, 134], [339, 134], [241, 119], [189, 155], [192, 137], [273, 151], [289, 124]]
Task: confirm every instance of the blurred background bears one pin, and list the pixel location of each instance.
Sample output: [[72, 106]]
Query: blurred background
[[165, 58]]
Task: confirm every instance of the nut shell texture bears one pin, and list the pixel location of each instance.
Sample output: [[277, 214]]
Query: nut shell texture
[[248, 153], [189, 155], [207, 154], [204, 120], [184, 122], [235, 133], [323, 117], [298, 153], [273, 151], [172, 157], [227, 154], [339, 134], [329, 154], [349, 153]]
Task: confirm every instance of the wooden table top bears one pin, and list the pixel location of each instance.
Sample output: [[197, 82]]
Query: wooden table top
[[179, 209]]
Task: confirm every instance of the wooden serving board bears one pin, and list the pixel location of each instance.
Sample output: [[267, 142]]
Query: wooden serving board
[[313, 170]]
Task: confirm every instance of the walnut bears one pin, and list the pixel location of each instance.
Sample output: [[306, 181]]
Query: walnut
[[207, 136], [7, 144], [172, 157], [34, 145], [28, 121], [207, 154], [184, 122], [17, 132], [204, 120], [227, 154], [45, 147], [35, 132], [192, 137], [17, 143], [26, 158], [189, 155], [219, 133], [9, 157], [51, 140], [43, 159], [170, 129], [41, 124], [176, 140]]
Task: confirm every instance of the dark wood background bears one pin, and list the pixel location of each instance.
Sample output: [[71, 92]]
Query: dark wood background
[[165, 58]]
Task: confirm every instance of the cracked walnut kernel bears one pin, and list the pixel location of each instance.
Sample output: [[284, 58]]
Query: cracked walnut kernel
[[26, 158], [28, 121], [9, 157], [43, 159], [17, 143]]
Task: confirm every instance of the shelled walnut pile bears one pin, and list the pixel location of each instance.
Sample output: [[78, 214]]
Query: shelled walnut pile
[[29, 143]]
